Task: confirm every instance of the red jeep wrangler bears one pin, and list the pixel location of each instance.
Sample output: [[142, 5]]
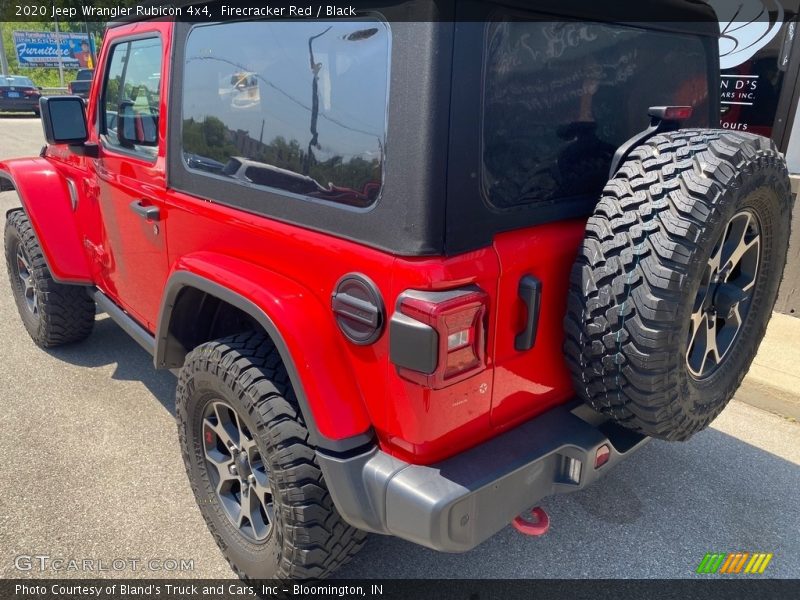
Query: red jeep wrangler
[[413, 276]]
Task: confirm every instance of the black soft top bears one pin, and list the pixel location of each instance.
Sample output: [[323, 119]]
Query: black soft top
[[431, 203]]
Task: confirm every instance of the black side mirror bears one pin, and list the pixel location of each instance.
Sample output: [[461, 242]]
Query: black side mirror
[[64, 120]]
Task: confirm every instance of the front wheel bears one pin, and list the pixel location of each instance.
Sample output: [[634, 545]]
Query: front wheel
[[252, 469], [53, 313]]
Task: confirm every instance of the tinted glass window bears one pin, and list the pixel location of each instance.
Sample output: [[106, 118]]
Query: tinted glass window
[[559, 99], [131, 94], [298, 107]]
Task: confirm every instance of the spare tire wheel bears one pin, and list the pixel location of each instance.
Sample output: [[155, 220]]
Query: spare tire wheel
[[675, 281]]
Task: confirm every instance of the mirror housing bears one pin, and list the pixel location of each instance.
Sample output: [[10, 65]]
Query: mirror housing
[[125, 125], [64, 120]]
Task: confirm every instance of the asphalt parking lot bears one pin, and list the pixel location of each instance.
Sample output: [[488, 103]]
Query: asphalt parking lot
[[91, 469]]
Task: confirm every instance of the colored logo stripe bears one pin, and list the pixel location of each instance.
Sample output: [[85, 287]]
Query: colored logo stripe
[[734, 562], [710, 563], [758, 563]]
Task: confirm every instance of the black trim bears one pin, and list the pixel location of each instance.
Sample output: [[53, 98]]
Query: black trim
[[413, 345], [358, 307], [124, 320], [7, 185], [87, 149], [456, 504], [170, 353], [408, 219], [657, 125], [530, 292]]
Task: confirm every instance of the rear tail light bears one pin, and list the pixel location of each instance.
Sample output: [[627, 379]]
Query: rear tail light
[[31, 93], [439, 338], [670, 113]]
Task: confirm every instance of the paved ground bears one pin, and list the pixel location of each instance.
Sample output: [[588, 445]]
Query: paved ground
[[91, 469]]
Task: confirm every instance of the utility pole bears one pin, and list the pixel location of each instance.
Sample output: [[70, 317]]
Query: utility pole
[[60, 58], [3, 60]]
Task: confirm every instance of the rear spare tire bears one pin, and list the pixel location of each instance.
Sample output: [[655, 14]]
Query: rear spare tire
[[676, 278]]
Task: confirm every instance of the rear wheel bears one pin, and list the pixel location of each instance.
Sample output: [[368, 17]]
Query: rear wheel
[[674, 284], [251, 466], [53, 313]]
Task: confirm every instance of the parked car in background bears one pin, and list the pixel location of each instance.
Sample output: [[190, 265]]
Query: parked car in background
[[19, 94], [82, 84]]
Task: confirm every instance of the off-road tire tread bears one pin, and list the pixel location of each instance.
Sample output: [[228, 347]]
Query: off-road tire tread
[[629, 278], [66, 312], [315, 540]]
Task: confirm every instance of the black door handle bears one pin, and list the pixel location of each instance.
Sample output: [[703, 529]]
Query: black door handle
[[530, 291], [146, 211]]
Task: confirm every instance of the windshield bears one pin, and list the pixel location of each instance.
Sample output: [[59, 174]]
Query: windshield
[[14, 81]]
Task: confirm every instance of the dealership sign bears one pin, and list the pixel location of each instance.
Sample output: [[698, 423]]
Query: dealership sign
[[43, 48]]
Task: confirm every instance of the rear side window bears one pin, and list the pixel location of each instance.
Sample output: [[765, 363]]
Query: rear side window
[[297, 107], [559, 98]]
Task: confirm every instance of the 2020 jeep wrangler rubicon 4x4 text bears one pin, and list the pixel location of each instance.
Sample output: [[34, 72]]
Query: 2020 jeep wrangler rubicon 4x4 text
[[414, 276]]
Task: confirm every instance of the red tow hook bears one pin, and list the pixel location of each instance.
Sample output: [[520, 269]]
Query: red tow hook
[[533, 521]]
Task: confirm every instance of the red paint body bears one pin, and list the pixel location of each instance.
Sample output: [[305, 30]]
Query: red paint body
[[290, 272]]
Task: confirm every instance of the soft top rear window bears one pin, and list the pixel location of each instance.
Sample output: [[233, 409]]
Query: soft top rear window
[[296, 107], [560, 97]]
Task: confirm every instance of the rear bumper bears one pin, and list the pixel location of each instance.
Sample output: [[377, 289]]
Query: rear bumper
[[455, 505]]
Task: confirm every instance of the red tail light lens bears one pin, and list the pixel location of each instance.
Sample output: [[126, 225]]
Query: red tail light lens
[[602, 456], [670, 113], [454, 338], [678, 113]]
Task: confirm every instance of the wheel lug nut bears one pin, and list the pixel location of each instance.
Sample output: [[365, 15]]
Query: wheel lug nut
[[251, 479], [233, 470]]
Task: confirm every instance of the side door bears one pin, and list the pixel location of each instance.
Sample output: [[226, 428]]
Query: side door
[[130, 172]]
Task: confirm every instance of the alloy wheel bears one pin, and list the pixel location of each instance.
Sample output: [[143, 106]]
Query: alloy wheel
[[725, 295], [25, 273], [238, 471]]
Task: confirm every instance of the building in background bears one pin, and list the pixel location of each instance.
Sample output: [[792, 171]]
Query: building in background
[[760, 61], [759, 93]]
